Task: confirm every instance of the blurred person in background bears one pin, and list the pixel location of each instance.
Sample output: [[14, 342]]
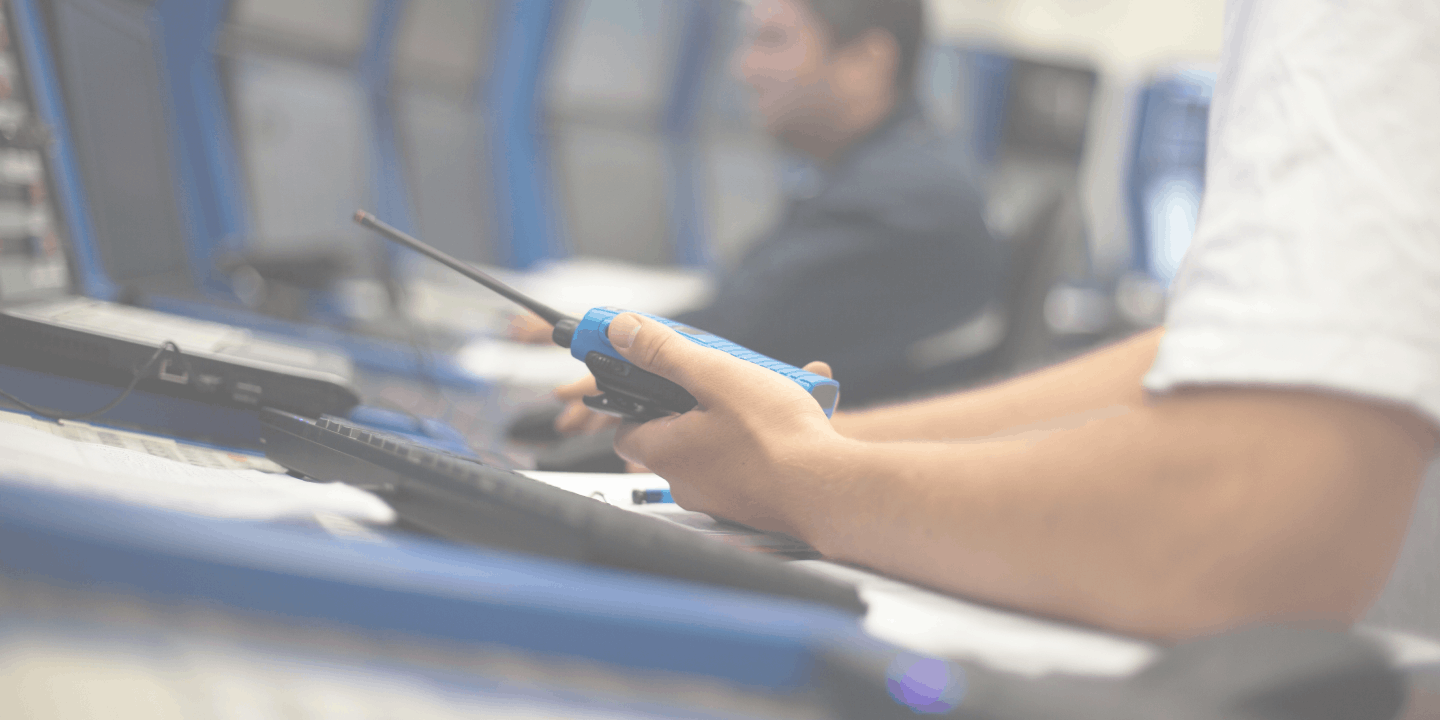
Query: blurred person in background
[[887, 244]]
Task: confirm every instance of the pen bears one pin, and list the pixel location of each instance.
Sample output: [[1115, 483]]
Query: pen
[[641, 497]]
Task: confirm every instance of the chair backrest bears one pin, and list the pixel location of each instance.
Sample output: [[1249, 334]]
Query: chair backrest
[[1034, 200], [1038, 251]]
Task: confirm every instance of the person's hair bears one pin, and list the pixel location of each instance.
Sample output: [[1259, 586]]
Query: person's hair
[[847, 20]]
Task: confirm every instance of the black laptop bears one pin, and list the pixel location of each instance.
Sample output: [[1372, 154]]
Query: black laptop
[[105, 342]]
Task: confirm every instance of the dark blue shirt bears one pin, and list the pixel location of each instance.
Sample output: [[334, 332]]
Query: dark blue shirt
[[889, 247]]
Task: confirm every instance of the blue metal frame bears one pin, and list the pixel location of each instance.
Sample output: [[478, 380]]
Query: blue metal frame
[[207, 166], [209, 178], [526, 219], [211, 187], [681, 128], [71, 200], [213, 208], [391, 196], [211, 198], [421, 590]]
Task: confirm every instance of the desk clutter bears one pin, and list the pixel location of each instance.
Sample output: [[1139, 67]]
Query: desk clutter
[[122, 594], [254, 464], [161, 472]]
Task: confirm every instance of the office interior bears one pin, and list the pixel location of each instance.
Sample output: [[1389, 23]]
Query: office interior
[[192, 168]]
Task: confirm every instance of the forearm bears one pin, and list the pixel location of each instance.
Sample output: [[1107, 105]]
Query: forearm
[[1094, 385], [1196, 514], [1200, 511]]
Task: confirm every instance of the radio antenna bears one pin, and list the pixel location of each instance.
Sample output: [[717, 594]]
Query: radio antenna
[[564, 324]]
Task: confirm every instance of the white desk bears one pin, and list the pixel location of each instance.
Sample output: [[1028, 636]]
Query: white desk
[[937, 624]]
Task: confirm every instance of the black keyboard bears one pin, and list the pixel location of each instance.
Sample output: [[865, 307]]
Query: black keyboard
[[467, 501]]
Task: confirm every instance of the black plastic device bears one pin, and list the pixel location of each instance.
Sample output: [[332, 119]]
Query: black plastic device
[[471, 502]]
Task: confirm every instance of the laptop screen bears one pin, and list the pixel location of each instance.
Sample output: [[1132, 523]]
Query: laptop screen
[[302, 122], [111, 82], [441, 58]]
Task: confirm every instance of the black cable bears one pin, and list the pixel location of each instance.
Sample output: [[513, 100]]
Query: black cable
[[166, 347]]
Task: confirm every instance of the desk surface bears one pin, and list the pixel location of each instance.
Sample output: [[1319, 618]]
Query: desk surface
[[930, 622], [900, 613]]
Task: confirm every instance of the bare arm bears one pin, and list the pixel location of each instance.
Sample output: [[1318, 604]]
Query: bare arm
[[1203, 511], [1093, 385]]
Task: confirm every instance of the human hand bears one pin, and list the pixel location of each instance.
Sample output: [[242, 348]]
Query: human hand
[[748, 450], [528, 328]]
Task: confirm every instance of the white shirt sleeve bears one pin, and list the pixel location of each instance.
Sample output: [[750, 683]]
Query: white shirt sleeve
[[1316, 261]]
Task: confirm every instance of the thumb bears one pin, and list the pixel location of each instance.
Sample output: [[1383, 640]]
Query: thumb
[[658, 348]]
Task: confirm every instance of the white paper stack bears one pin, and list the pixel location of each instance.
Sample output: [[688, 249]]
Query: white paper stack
[[46, 459]]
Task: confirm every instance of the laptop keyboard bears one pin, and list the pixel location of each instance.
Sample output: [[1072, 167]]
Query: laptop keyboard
[[468, 501]]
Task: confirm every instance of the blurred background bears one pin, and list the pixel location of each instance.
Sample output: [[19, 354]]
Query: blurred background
[[605, 130], [641, 144], [1028, 192], [207, 157]]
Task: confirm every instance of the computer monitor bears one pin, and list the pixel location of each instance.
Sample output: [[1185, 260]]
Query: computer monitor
[[327, 25], [302, 122], [614, 56], [112, 88], [606, 99], [1033, 149], [1047, 110], [442, 57], [302, 139], [446, 43]]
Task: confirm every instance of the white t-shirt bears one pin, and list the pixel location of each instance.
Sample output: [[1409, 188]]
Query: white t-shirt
[[1316, 261]]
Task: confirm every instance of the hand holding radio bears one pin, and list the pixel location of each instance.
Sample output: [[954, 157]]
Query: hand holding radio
[[578, 419], [748, 442]]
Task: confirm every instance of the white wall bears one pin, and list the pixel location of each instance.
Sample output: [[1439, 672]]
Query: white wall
[[1119, 35], [1126, 40]]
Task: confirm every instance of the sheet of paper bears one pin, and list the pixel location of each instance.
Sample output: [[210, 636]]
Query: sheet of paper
[[155, 445], [36, 457], [538, 366], [616, 489], [911, 616], [1406, 650], [930, 622]]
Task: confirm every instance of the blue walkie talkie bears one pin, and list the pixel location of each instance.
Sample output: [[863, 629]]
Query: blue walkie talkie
[[625, 390]]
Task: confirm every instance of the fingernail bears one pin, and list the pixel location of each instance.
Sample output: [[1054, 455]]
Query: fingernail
[[623, 331]]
